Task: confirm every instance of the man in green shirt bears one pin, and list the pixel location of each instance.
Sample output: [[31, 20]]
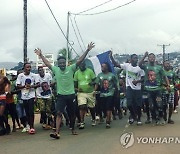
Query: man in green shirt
[[154, 76], [168, 96], [65, 87], [84, 79]]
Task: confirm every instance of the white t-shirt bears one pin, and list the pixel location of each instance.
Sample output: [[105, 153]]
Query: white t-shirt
[[133, 73], [26, 79], [44, 91]]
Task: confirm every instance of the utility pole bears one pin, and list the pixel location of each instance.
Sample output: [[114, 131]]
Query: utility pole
[[164, 48], [25, 31], [67, 36]]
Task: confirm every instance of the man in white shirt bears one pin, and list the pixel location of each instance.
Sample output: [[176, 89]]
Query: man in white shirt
[[26, 82], [44, 94], [134, 78]]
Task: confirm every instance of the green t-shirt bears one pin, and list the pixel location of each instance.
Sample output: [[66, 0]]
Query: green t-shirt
[[107, 83], [84, 79], [171, 77], [64, 79], [153, 77]]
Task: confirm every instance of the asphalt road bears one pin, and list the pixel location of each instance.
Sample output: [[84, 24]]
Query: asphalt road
[[94, 140]]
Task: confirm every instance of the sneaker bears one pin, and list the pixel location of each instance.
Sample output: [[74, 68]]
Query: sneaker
[[27, 127], [108, 126], [97, 118], [170, 121], [55, 135], [139, 123], [31, 131], [175, 111], [131, 121], [162, 122], [81, 126], [24, 130], [93, 123]]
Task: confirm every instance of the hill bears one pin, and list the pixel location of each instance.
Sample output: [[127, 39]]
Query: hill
[[7, 65]]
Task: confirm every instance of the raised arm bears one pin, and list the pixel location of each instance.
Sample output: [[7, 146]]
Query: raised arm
[[142, 60], [113, 61], [90, 46], [39, 53]]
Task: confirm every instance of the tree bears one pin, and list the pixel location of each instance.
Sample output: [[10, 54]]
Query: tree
[[19, 66], [62, 52]]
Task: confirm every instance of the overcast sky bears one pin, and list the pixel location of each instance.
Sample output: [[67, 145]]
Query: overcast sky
[[135, 28]]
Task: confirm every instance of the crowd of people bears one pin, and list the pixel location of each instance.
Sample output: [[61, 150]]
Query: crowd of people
[[70, 92]]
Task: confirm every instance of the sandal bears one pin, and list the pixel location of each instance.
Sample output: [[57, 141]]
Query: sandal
[[47, 127], [74, 133], [55, 135]]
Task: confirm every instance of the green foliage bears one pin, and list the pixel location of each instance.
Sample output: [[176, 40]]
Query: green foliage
[[63, 51], [19, 66]]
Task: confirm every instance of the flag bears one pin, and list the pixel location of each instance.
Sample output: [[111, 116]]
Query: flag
[[96, 62]]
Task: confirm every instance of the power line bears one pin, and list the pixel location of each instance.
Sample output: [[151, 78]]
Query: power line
[[108, 10], [79, 32], [60, 27], [92, 7], [173, 37], [75, 34], [38, 14]]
